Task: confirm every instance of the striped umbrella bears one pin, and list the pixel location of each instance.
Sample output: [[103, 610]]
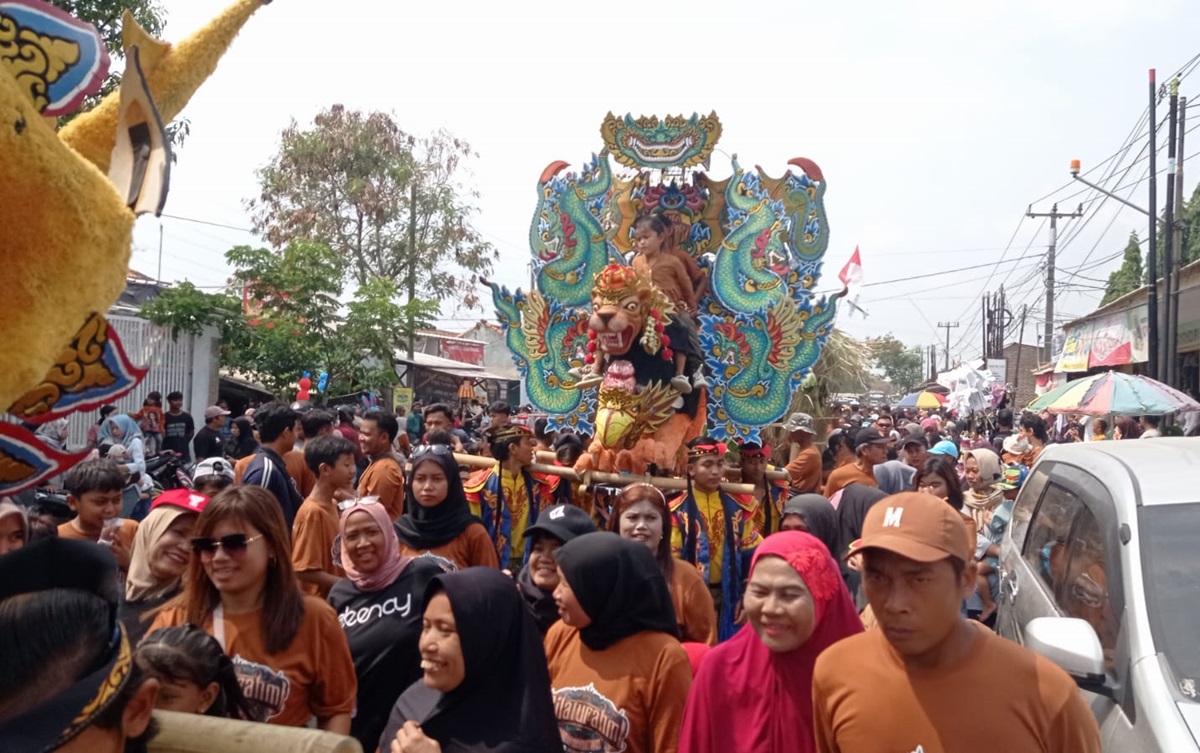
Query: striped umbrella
[[1114, 393], [922, 400]]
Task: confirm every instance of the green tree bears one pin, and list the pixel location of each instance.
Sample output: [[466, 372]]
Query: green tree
[[1129, 276], [284, 318], [899, 363], [348, 181]]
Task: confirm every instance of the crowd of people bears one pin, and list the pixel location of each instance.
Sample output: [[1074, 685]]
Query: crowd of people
[[422, 584]]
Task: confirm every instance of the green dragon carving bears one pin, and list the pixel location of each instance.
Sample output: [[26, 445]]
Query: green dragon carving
[[567, 235]]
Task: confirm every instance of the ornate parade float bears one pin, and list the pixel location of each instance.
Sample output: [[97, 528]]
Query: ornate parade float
[[759, 240], [68, 199]]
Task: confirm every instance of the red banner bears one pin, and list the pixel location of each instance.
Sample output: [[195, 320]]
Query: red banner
[[463, 352]]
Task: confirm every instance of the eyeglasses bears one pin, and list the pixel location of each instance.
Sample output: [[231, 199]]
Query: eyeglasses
[[234, 544], [346, 504]]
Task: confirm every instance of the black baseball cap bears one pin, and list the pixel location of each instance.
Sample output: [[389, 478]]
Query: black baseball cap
[[563, 522], [915, 439], [869, 435]]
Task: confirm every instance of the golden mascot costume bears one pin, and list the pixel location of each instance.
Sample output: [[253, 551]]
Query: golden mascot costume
[[68, 199]]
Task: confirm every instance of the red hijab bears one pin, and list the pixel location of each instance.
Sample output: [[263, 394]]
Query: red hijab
[[749, 699]]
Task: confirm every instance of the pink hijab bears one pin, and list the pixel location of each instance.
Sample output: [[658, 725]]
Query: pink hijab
[[393, 563], [748, 699]]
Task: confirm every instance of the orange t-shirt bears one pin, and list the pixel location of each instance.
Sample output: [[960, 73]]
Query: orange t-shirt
[[384, 478], [865, 699], [125, 533], [313, 677], [313, 532], [694, 607], [848, 474], [630, 695], [805, 471], [670, 275], [473, 547], [297, 468], [239, 468]]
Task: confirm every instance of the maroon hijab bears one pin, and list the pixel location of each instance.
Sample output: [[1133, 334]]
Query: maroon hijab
[[749, 699]]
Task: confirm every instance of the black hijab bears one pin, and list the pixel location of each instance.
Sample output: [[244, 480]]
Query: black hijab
[[541, 603], [857, 499], [619, 585], [819, 516], [423, 527], [244, 443], [504, 704]]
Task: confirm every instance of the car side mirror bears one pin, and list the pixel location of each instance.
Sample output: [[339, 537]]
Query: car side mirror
[[1072, 644]]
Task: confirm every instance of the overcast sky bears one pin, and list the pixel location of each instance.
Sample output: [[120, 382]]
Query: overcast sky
[[936, 122]]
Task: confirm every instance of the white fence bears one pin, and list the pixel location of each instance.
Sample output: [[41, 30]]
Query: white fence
[[184, 364]]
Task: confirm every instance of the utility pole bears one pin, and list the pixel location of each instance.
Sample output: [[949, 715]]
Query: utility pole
[[1173, 272], [1168, 360], [1152, 247], [1054, 216], [947, 326], [1020, 347]]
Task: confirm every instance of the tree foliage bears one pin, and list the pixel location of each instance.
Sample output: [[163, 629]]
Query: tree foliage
[[1129, 276], [281, 317], [347, 181], [899, 363]]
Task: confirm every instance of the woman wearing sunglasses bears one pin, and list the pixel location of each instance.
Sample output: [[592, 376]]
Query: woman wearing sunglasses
[[290, 653], [378, 604], [439, 519]]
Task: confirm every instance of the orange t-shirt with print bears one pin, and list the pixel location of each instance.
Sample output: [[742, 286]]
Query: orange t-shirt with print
[[805, 471], [866, 699], [314, 676], [471, 548], [631, 695], [313, 532]]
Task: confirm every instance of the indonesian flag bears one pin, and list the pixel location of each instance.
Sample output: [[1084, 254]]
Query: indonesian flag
[[852, 273]]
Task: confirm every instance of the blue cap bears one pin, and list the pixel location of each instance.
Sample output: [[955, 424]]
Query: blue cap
[[945, 447]]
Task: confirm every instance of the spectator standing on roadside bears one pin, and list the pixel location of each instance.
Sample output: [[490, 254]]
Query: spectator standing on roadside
[[903, 687], [277, 430], [384, 476], [805, 468], [178, 427], [870, 447], [208, 442]]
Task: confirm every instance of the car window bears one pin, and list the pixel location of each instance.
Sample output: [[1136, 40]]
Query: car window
[[1027, 502], [1045, 546], [1085, 588]]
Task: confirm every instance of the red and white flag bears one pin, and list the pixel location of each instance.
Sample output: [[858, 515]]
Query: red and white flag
[[852, 273]]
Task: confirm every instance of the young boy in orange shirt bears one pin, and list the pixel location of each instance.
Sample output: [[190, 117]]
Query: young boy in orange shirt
[[94, 491], [331, 458]]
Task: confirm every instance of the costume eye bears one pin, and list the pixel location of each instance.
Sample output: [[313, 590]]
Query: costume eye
[[19, 126]]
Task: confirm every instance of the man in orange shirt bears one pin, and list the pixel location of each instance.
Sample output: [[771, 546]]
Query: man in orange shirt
[[870, 447], [927, 679], [384, 476], [805, 468]]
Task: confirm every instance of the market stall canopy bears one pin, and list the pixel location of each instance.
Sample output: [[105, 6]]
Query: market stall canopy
[[1114, 393]]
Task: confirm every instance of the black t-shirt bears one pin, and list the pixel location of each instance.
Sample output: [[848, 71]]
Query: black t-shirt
[[383, 629], [177, 432], [208, 444]]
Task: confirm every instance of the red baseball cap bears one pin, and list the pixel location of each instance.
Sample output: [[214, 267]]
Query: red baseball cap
[[185, 499]]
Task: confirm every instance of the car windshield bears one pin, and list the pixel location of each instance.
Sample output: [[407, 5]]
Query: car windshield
[[1172, 565]]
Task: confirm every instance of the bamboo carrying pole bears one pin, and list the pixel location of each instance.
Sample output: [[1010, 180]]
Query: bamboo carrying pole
[[595, 477], [196, 733], [548, 458]]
